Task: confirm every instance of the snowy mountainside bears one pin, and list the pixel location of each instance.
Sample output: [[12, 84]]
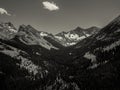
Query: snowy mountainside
[[74, 36]]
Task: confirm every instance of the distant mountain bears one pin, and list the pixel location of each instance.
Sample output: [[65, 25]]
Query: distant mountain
[[7, 30], [30, 36], [76, 35]]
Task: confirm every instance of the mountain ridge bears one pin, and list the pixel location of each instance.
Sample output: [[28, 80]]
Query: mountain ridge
[[69, 38], [74, 36]]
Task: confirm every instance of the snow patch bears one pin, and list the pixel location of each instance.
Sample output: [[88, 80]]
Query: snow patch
[[75, 36], [70, 44], [12, 30], [88, 35], [58, 37], [81, 38], [43, 34]]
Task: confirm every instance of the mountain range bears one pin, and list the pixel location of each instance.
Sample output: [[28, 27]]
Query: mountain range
[[74, 36], [81, 59]]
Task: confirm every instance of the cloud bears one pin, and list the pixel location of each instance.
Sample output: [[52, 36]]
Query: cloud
[[3, 11], [51, 6]]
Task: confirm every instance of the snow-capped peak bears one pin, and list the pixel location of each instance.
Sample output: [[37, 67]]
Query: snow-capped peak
[[74, 36], [43, 34]]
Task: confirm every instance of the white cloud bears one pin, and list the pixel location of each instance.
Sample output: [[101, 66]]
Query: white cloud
[[51, 6], [3, 11]]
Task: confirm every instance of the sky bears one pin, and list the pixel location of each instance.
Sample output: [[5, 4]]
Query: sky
[[54, 16]]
